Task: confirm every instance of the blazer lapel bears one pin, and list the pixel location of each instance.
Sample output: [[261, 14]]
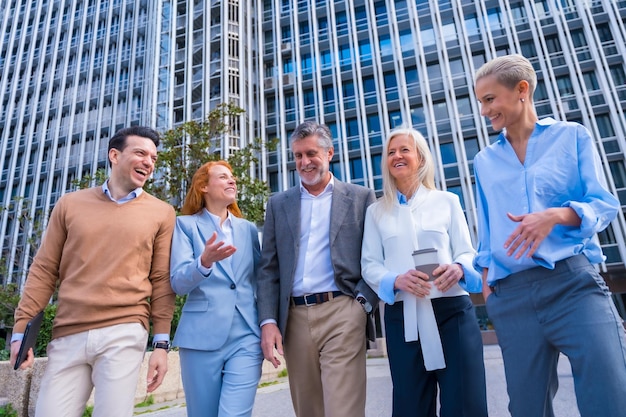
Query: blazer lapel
[[340, 205], [291, 207], [241, 240]]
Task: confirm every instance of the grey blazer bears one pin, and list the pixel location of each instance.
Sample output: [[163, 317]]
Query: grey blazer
[[281, 240]]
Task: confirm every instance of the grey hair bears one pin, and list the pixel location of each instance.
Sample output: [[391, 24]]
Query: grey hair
[[425, 174], [509, 70], [312, 128]]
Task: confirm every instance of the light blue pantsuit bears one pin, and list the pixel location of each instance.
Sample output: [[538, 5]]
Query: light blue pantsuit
[[218, 333], [223, 381], [538, 313]]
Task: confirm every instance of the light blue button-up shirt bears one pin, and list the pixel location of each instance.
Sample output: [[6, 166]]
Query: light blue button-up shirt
[[561, 169]]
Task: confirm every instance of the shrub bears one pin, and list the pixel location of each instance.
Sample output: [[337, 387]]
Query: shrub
[[8, 411]]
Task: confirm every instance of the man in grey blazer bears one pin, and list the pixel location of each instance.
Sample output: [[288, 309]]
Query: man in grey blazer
[[310, 289]]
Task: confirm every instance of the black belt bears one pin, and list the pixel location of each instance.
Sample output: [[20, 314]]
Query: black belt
[[317, 298]]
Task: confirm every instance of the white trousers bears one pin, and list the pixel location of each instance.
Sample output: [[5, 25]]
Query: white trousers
[[107, 359]]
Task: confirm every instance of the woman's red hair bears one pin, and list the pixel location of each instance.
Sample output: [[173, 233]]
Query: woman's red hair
[[194, 201]]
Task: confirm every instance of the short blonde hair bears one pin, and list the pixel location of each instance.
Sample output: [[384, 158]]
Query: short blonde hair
[[425, 174], [509, 70]]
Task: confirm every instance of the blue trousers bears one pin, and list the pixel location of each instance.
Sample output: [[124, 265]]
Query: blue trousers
[[539, 313], [461, 383], [223, 382]]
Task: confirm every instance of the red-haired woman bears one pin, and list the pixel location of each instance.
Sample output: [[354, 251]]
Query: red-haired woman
[[214, 261]]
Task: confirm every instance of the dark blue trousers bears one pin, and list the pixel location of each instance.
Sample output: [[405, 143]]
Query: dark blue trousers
[[461, 384]]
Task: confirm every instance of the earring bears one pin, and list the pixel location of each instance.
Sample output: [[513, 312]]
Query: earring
[[522, 100]]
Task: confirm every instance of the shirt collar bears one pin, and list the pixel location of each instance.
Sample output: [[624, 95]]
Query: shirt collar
[[133, 194], [329, 187], [216, 219], [539, 126], [401, 198]]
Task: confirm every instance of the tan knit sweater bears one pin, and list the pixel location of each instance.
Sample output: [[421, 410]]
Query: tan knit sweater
[[110, 262]]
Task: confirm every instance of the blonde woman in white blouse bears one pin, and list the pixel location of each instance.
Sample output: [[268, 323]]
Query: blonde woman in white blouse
[[433, 338]]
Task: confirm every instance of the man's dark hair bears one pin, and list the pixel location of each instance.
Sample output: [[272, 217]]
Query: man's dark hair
[[118, 141]]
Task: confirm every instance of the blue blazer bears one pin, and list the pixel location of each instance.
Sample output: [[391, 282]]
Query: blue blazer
[[208, 313]]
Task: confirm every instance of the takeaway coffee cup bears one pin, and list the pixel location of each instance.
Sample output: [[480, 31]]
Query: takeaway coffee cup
[[426, 261]]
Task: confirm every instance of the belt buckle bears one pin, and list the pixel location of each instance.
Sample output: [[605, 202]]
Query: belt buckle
[[306, 301]]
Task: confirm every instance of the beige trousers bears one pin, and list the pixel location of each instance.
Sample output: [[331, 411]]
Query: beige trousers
[[325, 355], [107, 359]]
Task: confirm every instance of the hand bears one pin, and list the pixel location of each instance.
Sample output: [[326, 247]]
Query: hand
[[157, 368], [30, 357], [531, 231], [215, 251], [270, 339], [414, 282], [486, 288], [447, 276]]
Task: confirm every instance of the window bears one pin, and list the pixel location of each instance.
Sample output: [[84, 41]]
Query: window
[[326, 59], [322, 27], [448, 31], [373, 130], [406, 42], [308, 98], [471, 25], [349, 98], [494, 21], [591, 81], [369, 89], [578, 38], [619, 178], [381, 13], [564, 84], [471, 149], [417, 116], [365, 51], [306, 63], [449, 161], [618, 74], [345, 56], [352, 132], [386, 50], [395, 119], [328, 95], [428, 36], [341, 23], [286, 34], [528, 49], [287, 65], [360, 17], [356, 171], [305, 33], [391, 85]]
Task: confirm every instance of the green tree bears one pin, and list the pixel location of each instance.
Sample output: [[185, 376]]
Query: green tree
[[185, 148]]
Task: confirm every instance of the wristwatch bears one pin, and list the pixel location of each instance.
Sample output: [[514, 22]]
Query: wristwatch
[[364, 303], [161, 345]]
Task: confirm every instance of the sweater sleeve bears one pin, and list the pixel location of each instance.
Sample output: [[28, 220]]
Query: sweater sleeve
[[163, 298], [43, 274]]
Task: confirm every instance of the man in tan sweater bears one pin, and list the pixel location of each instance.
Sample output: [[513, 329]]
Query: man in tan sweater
[[106, 250]]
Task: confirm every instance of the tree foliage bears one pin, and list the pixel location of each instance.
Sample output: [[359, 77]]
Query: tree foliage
[[187, 147]]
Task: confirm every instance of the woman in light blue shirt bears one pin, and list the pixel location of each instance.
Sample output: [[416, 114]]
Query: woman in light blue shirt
[[433, 340], [542, 197]]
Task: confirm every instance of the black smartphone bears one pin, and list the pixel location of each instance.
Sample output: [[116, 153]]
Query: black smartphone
[[29, 340]]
